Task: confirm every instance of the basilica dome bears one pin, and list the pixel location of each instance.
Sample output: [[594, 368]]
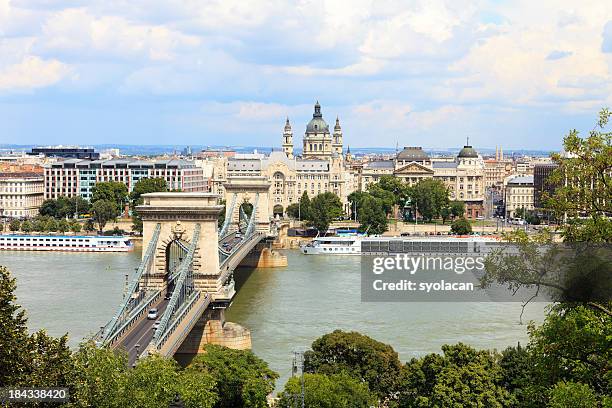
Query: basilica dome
[[317, 124]]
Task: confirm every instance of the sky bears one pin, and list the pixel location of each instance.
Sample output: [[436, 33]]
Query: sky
[[430, 73]]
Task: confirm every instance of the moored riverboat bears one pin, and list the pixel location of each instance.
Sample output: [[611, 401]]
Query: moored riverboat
[[70, 243]]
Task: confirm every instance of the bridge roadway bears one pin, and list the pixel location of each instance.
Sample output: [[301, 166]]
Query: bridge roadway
[[141, 334]]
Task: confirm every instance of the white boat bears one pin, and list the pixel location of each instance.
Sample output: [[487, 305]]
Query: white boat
[[333, 245], [358, 245], [71, 243]]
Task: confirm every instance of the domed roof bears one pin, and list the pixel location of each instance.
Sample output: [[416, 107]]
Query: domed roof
[[412, 153], [468, 152], [317, 124]]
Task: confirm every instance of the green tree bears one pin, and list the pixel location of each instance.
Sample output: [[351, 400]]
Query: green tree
[[15, 225], [573, 344], [355, 200], [583, 183], [13, 333], [145, 186], [111, 191], [63, 226], [103, 211], [89, 225], [461, 226], [323, 391], [39, 224], [75, 227], [98, 376], [155, 380], [51, 225], [396, 186], [359, 356], [324, 208], [305, 206], [576, 273], [518, 373], [293, 211], [430, 196], [243, 379], [386, 198], [79, 206], [50, 360], [26, 226], [372, 216], [572, 395], [48, 208], [457, 208], [461, 377], [445, 213]]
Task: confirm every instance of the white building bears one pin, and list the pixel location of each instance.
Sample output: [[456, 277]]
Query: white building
[[518, 193], [21, 194]]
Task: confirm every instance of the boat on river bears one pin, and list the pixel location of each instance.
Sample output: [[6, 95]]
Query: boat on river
[[361, 245], [70, 243]]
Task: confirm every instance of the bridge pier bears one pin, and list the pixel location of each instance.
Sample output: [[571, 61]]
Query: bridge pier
[[263, 256], [212, 328]]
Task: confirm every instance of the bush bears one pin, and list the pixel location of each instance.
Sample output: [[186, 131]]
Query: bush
[[461, 226], [572, 395], [15, 225]]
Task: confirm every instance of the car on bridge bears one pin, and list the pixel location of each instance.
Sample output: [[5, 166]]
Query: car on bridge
[[152, 314], [156, 324]]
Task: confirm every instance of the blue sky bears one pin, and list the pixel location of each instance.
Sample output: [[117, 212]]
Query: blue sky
[[511, 73]]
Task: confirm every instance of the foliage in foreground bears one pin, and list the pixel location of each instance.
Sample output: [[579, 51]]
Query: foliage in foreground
[[99, 377]]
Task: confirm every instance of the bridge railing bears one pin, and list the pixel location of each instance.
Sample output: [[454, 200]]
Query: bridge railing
[[130, 302], [180, 293], [135, 316], [181, 314]]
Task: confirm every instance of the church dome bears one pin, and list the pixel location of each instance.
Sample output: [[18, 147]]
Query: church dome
[[468, 152], [317, 124], [412, 154]]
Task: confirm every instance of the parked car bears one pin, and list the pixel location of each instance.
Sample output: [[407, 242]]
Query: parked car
[[152, 314]]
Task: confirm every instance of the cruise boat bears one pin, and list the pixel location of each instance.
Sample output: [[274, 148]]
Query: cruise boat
[[71, 243], [333, 245], [358, 245]]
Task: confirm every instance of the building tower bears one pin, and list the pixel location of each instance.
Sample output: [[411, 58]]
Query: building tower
[[349, 157], [337, 139], [288, 140], [317, 139]]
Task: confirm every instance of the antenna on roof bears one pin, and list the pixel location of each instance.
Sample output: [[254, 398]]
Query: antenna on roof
[[468, 141]]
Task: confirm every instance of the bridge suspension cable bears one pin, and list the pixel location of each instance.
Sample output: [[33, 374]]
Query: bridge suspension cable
[[183, 288], [252, 221], [228, 219], [130, 301]]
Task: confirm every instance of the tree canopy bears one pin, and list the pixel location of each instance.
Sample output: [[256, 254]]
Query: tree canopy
[[357, 355], [114, 192]]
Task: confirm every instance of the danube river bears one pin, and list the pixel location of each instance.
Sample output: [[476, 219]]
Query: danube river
[[285, 308]]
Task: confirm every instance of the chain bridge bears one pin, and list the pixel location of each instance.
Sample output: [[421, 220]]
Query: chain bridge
[[187, 267]]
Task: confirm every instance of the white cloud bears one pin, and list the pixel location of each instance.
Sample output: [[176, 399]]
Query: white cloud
[[32, 72], [78, 31]]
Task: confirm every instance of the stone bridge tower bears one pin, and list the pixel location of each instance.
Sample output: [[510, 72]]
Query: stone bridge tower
[[178, 214]]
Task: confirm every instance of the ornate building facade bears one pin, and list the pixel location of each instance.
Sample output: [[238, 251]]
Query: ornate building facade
[[321, 167], [463, 175]]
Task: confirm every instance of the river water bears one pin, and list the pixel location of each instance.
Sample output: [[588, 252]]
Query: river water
[[285, 308]]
